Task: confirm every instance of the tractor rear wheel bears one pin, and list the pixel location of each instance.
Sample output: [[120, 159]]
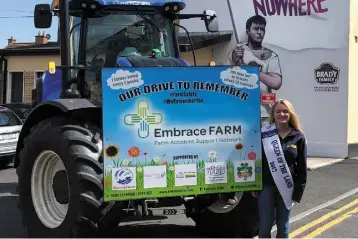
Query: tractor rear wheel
[[61, 179], [223, 220]]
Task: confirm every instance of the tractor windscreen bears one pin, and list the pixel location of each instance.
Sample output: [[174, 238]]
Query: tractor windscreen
[[120, 34]]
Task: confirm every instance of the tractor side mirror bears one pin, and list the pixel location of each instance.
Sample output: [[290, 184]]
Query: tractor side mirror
[[43, 16], [211, 21]]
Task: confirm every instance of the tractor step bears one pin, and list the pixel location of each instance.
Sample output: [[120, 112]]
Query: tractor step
[[168, 211], [153, 214]]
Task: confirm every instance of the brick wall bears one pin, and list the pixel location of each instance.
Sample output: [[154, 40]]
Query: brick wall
[[29, 77]]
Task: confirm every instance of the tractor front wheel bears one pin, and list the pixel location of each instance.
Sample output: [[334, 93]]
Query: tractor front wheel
[[61, 179]]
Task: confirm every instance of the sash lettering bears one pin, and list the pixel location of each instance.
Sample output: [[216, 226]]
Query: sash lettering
[[277, 163]]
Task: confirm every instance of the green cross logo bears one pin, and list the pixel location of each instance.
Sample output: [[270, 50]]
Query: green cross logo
[[143, 119]]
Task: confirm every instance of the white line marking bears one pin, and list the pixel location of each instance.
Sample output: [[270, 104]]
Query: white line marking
[[321, 206]]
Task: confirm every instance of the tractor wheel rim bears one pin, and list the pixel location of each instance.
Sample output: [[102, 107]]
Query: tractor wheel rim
[[221, 206], [49, 210]]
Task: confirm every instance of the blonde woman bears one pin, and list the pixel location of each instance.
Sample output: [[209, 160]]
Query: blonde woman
[[284, 157]]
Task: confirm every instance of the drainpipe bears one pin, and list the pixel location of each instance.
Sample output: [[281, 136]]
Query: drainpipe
[[4, 71]]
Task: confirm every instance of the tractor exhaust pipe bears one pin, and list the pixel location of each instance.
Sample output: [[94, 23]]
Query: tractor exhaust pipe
[[65, 45]]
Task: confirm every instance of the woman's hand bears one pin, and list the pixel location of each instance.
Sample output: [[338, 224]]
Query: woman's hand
[[254, 194]]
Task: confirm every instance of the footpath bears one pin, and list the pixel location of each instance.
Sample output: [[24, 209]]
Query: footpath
[[315, 163]]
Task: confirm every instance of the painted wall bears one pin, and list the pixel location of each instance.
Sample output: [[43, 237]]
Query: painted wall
[[203, 56], [31, 63], [304, 37], [353, 75]]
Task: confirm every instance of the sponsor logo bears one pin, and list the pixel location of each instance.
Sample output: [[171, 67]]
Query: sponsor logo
[[327, 76], [245, 171], [326, 73], [142, 119], [123, 176], [216, 170], [215, 173], [155, 175], [186, 175]]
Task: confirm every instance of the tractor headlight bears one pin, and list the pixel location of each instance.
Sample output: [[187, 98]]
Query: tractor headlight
[[52, 67], [174, 7]]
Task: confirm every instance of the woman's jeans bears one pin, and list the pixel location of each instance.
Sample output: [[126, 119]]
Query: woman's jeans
[[269, 200]]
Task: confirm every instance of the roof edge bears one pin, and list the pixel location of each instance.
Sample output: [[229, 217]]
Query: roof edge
[[25, 52]]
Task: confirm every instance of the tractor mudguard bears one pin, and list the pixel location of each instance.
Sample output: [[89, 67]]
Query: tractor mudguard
[[49, 109]]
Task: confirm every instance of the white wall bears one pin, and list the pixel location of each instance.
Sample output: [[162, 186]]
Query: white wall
[[302, 43], [353, 75]]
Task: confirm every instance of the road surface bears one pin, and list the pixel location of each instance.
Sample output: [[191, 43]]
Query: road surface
[[328, 208]]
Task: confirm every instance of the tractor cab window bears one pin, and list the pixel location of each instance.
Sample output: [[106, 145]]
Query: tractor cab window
[[120, 35]]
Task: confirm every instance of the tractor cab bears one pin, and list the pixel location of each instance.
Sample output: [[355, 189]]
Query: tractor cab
[[114, 33]]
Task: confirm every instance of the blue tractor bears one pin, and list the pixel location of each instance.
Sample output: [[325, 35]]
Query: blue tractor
[[59, 156]]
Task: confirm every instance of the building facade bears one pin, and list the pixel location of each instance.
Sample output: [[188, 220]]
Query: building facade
[[21, 64], [312, 47]]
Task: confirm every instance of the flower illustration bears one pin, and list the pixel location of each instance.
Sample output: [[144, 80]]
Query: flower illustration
[[171, 168], [156, 160], [109, 168], [252, 154], [140, 169], [125, 162], [112, 151], [258, 170], [212, 154], [165, 163], [238, 146], [134, 152], [107, 183], [145, 159]]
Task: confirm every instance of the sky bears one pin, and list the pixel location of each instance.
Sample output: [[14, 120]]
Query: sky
[[22, 29]]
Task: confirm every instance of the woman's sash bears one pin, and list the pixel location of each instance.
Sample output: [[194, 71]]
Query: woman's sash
[[277, 163]]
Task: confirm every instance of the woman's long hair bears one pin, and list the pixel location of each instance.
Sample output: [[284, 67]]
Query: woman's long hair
[[294, 121]]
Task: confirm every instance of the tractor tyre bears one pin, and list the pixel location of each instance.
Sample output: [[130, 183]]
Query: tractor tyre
[[61, 179], [219, 220]]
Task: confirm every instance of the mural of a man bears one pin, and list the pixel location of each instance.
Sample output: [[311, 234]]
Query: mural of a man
[[253, 53]]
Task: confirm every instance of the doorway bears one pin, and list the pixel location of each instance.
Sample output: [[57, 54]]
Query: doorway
[[16, 87]]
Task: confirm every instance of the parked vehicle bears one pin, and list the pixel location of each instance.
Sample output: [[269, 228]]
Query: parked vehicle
[[21, 109], [10, 127]]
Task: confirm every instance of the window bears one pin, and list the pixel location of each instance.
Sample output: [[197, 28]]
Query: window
[[127, 34], [7, 118], [38, 74]]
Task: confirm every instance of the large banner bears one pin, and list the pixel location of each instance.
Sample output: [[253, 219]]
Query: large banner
[[176, 131]]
